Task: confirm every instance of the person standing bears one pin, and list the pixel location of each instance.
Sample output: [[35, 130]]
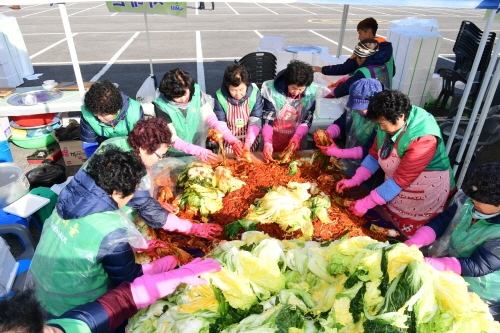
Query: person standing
[[202, 5]]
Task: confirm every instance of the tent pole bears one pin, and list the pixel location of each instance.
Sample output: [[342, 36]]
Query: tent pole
[[493, 84], [72, 50], [147, 36], [465, 95], [342, 30]]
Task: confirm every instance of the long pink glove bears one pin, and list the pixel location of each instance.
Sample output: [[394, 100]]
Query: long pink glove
[[360, 207], [362, 174], [177, 224], [148, 288], [205, 230], [423, 236], [268, 151], [333, 150], [201, 153], [445, 264], [296, 139], [252, 133], [164, 264], [333, 130], [213, 122], [267, 135]]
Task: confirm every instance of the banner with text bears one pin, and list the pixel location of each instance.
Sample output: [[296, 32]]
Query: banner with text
[[152, 7]]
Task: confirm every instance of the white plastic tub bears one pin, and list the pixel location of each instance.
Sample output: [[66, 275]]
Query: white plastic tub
[[8, 268]]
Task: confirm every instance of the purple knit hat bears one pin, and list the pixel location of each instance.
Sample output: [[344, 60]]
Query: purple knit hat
[[361, 92]]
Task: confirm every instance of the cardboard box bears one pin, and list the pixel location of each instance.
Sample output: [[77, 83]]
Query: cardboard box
[[72, 151]]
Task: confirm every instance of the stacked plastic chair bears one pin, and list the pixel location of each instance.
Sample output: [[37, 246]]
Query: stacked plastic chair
[[261, 66], [465, 49]]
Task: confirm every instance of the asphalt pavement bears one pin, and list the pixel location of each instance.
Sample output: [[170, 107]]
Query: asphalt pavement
[[113, 46]]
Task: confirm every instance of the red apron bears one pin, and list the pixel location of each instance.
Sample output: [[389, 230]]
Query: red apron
[[423, 199], [285, 124], [237, 122]]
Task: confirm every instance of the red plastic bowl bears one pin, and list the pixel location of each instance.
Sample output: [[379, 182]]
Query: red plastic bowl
[[34, 119]]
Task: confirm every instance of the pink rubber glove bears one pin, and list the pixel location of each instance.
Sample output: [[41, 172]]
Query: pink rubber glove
[[333, 150], [161, 265], [149, 288], [296, 139], [268, 151], [362, 174], [333, 130], [252, 133], [423, 236], [360, 207], [205, 230], [445, 264], [201, 153], [237, 147], [177, 224], [213, 122], [267, 133]]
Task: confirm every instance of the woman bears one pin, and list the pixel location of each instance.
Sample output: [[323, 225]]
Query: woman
[[410, 150], [238, 104], [150, 139], [189, 114], [289, 102], [465, 238]]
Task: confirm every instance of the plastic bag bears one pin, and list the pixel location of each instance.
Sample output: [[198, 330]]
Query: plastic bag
[[165, 172], [147, 92]]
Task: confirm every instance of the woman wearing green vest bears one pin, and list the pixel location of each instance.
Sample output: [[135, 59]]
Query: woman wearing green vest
[[410, 150], [107, 113], [289, 102], [238, 104], [189, 112], [465, 238], [23, 313], [86, 244]]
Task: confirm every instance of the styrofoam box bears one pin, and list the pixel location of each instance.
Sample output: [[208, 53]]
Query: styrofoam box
[[11, 81], [7, 69], [272, 43], [8, 267], [27, 205]]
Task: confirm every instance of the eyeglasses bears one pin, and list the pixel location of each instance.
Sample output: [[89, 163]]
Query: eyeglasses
[[159, 156], [387, 146]]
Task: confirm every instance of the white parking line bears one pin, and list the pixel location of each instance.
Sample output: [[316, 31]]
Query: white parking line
[[48, 10], [133, 61], [451, 40], [114, 14], [267, 9], [330, 40], [300, 9], [50, 46], [86, 9], [232, 8], [113, 59], [443, 56], [258, 33], [337, 10], [366, 10], [200, 69]]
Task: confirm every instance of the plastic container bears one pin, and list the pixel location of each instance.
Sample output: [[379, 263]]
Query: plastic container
[[34, 119], [8, 269], [37, 142], [5, 154], [27, 205], [13, 183]]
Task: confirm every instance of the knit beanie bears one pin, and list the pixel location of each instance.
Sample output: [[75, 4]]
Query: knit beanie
[[484, 185], [366, 48], [361, 92]]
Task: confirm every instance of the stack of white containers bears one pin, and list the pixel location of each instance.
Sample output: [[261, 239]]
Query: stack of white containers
[[416, 44], [8, 268], [15, 63]]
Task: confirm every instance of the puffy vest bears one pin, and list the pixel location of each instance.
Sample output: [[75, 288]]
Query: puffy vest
[[252, 99], [65, 268], [309, 96], [187, 126], [122, 128], [420, 123], [382, 73]]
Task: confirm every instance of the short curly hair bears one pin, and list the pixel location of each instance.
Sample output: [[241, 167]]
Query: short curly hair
[[103, 98], [299, 73], [368, 23], [150, 134], [234, 75], [174, 84], [389, 104], [22, 313], [116, 170]]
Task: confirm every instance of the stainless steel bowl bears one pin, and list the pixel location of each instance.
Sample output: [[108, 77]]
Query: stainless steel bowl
[[13, 183]]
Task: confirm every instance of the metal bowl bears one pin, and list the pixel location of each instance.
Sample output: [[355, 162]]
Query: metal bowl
[[34, 97], [302, 48], [13, 183]]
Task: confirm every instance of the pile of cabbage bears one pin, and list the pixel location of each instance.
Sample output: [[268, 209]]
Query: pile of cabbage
[[204, 187], [349, 285]]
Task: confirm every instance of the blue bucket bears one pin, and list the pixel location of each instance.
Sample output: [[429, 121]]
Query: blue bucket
[[5, 154]]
